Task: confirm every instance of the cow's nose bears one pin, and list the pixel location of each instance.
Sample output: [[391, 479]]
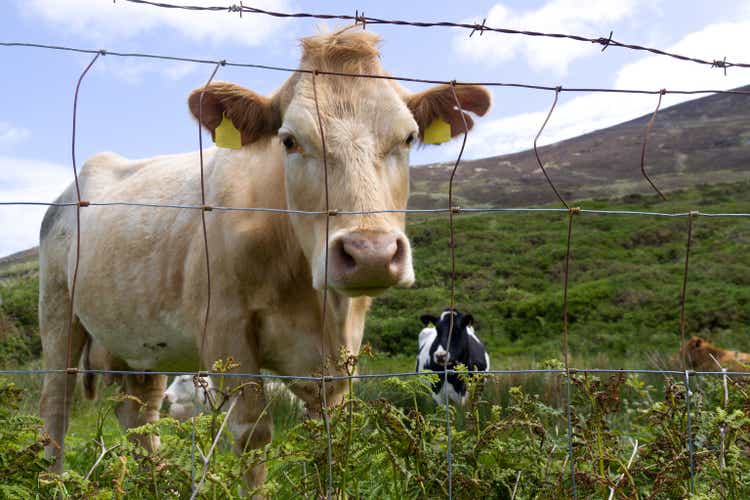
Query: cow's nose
[[441, 358], [369, 260]]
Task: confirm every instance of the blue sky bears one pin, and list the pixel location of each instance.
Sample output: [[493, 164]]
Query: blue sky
[[137, 107]]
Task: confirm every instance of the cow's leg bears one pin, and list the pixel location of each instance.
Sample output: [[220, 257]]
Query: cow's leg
[[148, 391], [250, 421], [57, 390], [251, 425], [312, 395]]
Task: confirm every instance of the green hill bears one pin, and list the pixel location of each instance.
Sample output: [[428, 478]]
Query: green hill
[[625, 279]]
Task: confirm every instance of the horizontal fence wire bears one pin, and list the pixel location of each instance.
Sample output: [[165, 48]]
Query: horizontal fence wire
[[368, 376], [474, 27], [468, 210], [224, 62]]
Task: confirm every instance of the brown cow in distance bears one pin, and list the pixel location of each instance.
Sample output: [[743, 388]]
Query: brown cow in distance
[[142, 288], [698, 352]]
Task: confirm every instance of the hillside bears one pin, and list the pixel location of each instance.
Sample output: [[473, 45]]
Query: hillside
[[625, 280], [704, 141]]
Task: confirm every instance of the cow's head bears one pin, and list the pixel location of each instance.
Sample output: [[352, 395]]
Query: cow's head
[[369, 126], [441, 353]]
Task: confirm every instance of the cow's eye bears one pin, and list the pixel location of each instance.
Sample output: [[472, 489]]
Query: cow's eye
[[290, 144], [409, 139]]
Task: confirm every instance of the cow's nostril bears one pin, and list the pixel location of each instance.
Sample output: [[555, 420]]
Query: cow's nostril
[[398, 256], [344, 257]]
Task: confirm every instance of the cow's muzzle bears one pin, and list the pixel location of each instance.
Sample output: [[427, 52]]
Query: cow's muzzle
[[369, 262]]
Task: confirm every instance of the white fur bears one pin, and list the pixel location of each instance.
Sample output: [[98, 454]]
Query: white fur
[[184, 398], [426, 338], [441, 352], [439, 398]]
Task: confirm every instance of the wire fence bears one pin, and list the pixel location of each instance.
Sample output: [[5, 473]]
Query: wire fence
[[451, 210]]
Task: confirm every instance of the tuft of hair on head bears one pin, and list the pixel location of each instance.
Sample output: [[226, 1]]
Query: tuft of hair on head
[[345, 49]]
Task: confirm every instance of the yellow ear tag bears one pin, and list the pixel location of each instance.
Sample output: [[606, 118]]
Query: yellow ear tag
[[437, 133], [226, 134]]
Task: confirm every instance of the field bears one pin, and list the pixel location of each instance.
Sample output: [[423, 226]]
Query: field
[[390, 440]]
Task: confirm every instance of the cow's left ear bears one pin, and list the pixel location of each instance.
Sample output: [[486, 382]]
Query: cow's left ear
[[426, 319], [439, 102], [254, 115]]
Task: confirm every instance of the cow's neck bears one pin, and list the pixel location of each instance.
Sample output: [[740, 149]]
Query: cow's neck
[[344, 325], [287, 267]]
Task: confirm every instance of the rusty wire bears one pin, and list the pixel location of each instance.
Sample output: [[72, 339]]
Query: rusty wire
[[452, 245], [536, 152], [70, 369], [362, 19], [324, 353], [204, 207], [683, 293], [646, 133]]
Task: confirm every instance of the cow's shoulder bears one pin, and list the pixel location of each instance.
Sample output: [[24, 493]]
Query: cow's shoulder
[[478, 356]]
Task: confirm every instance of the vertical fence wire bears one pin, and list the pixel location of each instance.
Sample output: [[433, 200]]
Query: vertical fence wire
[[204, 209], [646, 133], [566, 353], [686, 361], [71, 370], [452, 245], [536, 151], [689, 437], [324, 347]]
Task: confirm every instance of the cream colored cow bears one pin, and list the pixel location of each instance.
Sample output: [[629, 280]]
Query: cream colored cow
[[141, 290]]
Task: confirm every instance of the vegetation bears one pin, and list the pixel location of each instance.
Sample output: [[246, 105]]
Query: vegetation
[[627, 438], [390, 440]]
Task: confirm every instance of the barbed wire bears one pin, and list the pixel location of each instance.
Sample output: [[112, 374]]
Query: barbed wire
[[358, 18]]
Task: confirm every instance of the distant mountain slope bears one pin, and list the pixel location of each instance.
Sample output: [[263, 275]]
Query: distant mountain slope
[[704, 141]]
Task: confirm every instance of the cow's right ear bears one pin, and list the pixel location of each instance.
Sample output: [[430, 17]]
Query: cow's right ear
[[439, 102], [254, 115], [427, 319]]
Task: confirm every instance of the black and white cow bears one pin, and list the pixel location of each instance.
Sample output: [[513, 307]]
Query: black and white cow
[[435, 353]]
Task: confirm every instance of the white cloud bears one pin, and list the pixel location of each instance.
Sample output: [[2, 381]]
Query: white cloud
[[588, 112], [588, 17], [105, 21], [10, 136], [27, 180], [135, 71]]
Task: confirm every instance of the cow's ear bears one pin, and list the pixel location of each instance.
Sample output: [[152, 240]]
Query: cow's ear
[[468, 320], [254, 115], [427, 319], [439, 103]]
